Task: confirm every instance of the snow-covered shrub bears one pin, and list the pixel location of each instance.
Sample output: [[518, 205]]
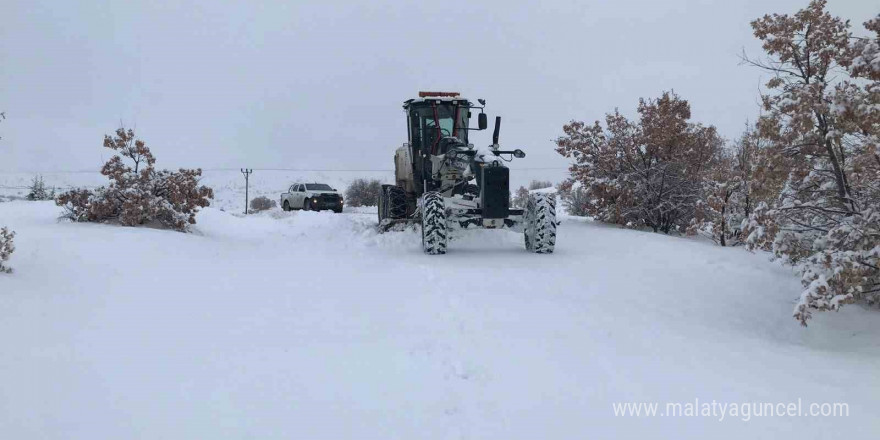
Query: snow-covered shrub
[[576, 201], [37, 190], [363, 192], [822, 117], [138, 194], [6, 248], [262, 203], [645, 173]]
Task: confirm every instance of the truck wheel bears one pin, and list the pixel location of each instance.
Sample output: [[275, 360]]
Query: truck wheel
[[285, 206], [306, 205], [434, 230], [540, 224]]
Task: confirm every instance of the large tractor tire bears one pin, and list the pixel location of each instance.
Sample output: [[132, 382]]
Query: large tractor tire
[[434, 229], [540, 223], [392, 203]]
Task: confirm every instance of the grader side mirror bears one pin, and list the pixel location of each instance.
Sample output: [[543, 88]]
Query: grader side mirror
[[482, 121], [519, 154]]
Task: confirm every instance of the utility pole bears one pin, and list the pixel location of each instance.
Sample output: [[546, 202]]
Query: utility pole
[[247, 175]]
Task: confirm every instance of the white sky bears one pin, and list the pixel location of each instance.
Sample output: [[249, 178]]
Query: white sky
[[319, 84]]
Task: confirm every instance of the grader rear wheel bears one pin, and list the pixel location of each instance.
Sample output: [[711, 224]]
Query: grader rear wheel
[[392, 203], [540, 224]]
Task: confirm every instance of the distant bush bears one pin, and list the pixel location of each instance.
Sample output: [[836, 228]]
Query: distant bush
[[38, 191], [6, 248], [262, 203], [540, 184], [363, 192], [521, 196], [140, 194]]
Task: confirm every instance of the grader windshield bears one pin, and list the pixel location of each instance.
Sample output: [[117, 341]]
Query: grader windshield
[[430, 121]]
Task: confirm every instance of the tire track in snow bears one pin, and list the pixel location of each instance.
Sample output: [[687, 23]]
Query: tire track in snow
[[459, 374]]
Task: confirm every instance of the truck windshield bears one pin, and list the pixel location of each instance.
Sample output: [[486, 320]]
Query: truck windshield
[[318, 187]]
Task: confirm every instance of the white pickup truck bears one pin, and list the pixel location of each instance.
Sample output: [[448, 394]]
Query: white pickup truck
[[311, 197]]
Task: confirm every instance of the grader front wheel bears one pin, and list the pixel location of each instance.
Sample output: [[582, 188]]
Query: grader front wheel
[[434, 228]]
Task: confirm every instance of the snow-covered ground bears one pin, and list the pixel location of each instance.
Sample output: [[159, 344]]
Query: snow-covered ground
[[313, 325]]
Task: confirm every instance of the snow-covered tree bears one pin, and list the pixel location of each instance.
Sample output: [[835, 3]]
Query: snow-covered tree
[[822, 125], [37, 190], [520, 197], [741, 177], [644, 173], [7, 247], [858, 102], [138, 193], [719, 209]]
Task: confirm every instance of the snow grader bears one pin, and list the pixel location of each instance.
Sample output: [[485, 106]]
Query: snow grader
[[443, 182]]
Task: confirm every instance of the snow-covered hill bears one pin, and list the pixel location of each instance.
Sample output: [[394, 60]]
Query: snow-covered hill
[[313, 325]]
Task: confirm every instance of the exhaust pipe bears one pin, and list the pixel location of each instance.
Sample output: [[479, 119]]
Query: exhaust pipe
[[497, 129]]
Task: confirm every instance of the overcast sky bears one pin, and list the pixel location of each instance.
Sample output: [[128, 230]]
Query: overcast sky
[[319, 84]]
